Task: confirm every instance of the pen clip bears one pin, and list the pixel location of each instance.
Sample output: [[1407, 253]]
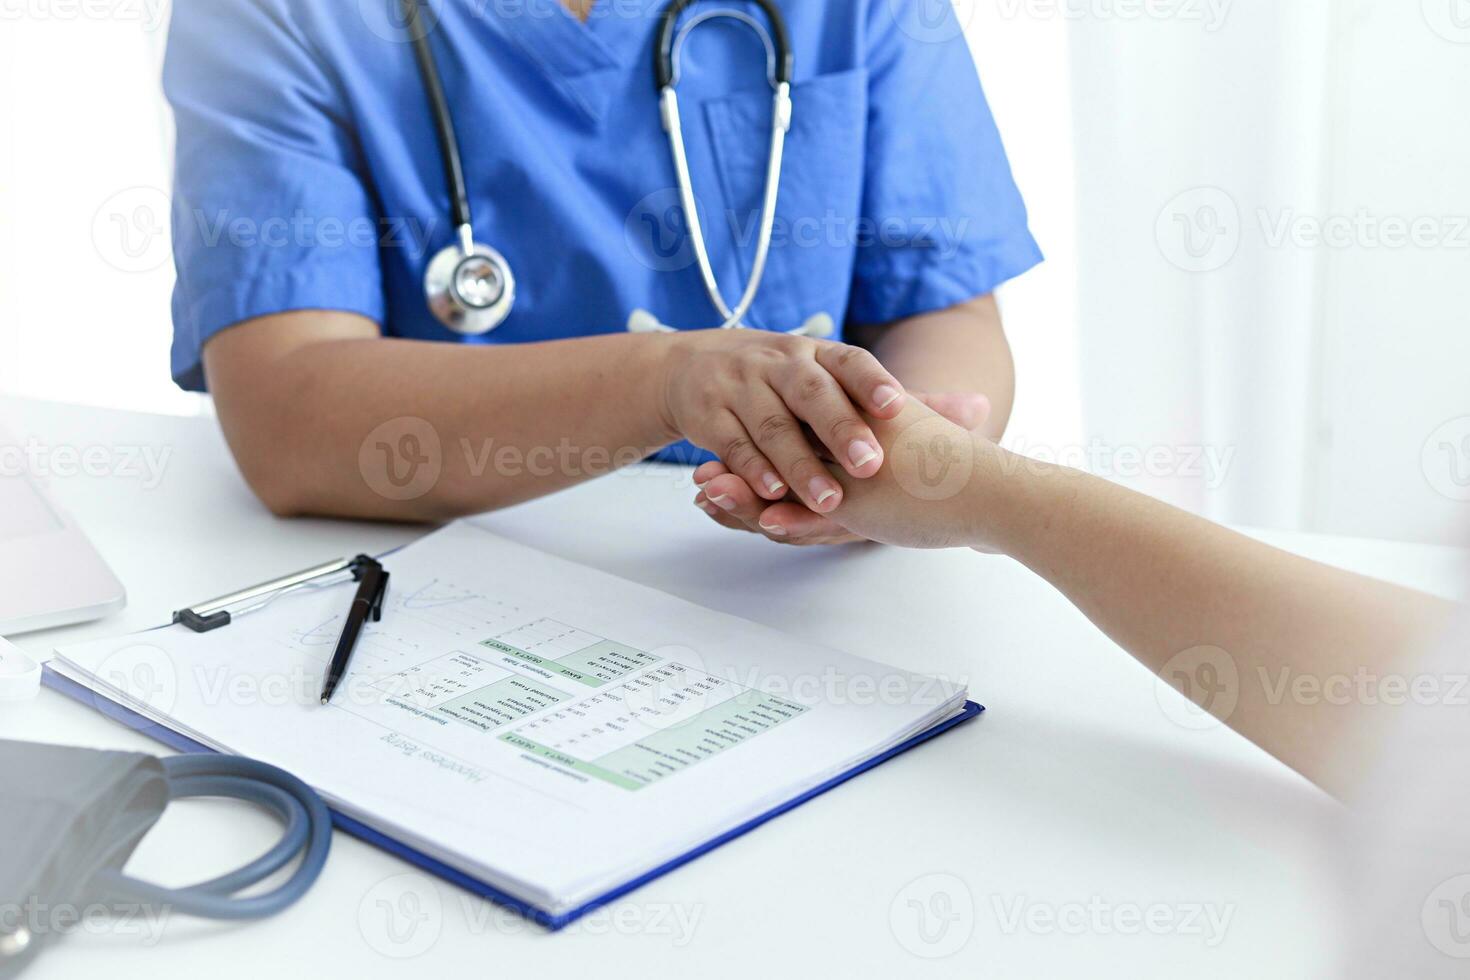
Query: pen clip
[[379, 596], [363, 564]]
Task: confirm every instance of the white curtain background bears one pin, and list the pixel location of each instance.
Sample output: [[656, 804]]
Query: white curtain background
[[1177, 339], [1249, 172], [85, 273]]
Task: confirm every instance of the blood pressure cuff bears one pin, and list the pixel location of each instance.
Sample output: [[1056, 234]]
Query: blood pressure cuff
[[65, 814]]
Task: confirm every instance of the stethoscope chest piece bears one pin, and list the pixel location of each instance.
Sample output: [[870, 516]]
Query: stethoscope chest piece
[[470, 291]]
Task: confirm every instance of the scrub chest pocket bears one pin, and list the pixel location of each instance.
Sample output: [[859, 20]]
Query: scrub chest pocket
[[819, 225]]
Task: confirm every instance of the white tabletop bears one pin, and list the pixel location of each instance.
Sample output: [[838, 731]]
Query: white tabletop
[[1073, 830]]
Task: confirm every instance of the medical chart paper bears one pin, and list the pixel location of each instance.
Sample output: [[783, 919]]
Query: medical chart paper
[[546, 728]]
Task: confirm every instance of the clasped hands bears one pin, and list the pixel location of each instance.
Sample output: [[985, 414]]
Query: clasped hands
[[796, 424]]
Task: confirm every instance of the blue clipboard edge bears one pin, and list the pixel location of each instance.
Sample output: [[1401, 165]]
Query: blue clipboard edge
[[360, 830]]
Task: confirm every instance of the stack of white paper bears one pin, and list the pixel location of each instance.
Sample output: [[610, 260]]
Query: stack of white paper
[[550, 730]]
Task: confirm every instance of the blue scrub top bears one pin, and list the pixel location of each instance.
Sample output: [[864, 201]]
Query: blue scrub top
[[308, 175]]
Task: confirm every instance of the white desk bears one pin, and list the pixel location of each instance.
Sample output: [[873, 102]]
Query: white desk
[[1074, 794]]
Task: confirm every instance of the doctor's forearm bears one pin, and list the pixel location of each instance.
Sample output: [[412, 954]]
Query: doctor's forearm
[[316, 426], [959, 350], [327, 417]]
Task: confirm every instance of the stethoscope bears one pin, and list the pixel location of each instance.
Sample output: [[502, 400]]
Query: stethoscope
[[470, 287]]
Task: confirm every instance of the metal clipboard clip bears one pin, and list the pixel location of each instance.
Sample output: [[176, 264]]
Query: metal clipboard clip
[[211, 615]]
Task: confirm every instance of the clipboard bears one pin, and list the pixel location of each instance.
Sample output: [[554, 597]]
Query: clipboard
[[418, 859]]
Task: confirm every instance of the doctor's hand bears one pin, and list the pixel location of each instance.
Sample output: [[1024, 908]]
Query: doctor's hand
[[729, 501], [750, 397]]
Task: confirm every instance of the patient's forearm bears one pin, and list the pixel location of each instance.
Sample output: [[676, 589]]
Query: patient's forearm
[[1164, 584]]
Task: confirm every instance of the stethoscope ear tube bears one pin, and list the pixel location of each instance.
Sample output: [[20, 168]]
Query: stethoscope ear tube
[[779, 70], [459, 198], [663, 62]]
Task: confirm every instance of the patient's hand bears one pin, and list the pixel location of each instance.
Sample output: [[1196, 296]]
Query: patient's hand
[[729, 500], [931, 492]]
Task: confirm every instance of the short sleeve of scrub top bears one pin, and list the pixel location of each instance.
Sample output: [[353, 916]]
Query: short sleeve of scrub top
[[308, 175], [943, 219], [270, 212]]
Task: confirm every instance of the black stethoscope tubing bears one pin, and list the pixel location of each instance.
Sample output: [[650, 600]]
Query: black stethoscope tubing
[[423, 52]]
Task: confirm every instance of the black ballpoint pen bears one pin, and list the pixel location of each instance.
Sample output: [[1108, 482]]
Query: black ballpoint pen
[[372, 586]]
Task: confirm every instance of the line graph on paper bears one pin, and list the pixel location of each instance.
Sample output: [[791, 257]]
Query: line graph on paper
[[460, 612], [421, 620]]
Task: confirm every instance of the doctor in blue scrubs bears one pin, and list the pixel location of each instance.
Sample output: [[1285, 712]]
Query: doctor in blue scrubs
[[310, 198]]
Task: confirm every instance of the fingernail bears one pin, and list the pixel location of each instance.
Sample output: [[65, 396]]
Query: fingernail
[[723, 502], [822, 492], [779, 532], [861, 454], [886, 395], [704, 506], [773, 485], [700, 486]]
